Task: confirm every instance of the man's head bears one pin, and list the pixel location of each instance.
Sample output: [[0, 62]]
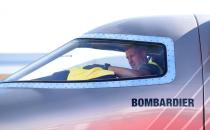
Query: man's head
[[136, 56]]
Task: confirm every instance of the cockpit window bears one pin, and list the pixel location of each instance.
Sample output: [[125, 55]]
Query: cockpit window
[[104, 60], [113, 59]]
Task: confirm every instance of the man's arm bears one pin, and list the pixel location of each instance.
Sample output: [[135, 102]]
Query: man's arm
[[127, 73]]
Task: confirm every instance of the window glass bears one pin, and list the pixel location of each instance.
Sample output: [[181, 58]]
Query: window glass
[[79, 57], [96, 60]]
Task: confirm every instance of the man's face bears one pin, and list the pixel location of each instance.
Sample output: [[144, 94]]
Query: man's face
[[135, 57]]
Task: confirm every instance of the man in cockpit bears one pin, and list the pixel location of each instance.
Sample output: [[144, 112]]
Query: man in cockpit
[[137, 57], [141, 65]]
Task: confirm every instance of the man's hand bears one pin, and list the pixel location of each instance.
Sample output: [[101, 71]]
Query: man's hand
[[105, 66]]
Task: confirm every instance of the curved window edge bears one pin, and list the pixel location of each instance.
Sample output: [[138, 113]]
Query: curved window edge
[[167, 78]]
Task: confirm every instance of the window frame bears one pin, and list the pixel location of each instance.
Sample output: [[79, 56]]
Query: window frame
[[168, 77]]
